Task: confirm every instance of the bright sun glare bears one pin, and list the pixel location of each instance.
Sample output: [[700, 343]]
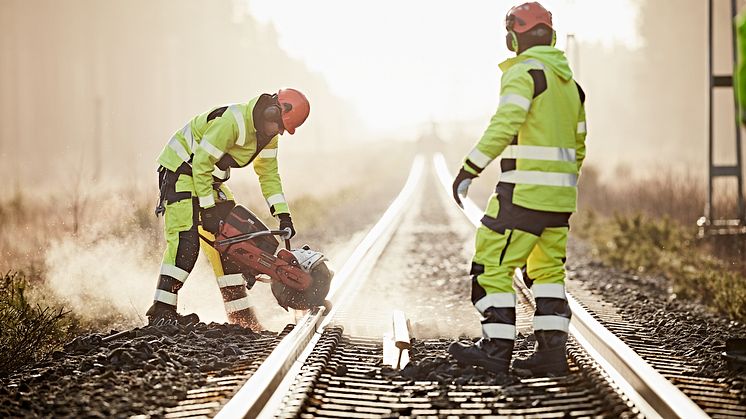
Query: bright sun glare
[[404, 64]]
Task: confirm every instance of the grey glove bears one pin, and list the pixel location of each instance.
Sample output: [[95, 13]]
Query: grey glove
[[461, 185]]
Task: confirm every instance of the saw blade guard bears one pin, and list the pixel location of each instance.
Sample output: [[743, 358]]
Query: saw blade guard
[[300, 278]]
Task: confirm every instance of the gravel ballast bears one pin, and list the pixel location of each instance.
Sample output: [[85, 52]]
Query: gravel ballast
[[144, 373]]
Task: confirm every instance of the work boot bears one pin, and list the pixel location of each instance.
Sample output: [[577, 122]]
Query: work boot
[[160, 314], [491, 354], [550, 356], [245, 318]]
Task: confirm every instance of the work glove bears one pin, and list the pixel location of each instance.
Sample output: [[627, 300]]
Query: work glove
[[211, 219], [286, 223], [461, 185]]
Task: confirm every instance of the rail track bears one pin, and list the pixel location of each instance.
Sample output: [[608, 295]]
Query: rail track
[[317, 370], [334, 361]]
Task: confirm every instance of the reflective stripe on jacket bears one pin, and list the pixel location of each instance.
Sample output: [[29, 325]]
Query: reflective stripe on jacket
[[538, 131], [222, 138]]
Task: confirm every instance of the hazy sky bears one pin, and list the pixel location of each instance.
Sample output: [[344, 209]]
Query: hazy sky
[[403, 63]]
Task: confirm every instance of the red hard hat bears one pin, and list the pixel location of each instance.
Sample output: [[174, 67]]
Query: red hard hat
[[295, 108], [523, 18]]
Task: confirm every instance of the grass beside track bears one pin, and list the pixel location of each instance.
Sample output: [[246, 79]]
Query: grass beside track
[[28, 331], [648, 225]]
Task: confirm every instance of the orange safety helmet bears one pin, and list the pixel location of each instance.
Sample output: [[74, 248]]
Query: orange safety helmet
[[295, 108], [523, 18]]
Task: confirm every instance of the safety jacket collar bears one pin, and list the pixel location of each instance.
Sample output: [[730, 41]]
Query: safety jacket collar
[[549, 56]]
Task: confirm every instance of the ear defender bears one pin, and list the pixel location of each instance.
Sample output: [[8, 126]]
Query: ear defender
[[272, 113], [513, 41]]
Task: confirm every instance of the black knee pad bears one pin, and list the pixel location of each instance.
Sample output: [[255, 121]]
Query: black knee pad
[[188, 249]]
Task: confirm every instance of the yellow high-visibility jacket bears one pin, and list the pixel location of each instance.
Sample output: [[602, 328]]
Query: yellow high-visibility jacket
[[538, 130], [223, 138]]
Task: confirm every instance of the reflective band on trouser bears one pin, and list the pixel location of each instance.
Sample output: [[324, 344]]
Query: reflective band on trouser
[[276, 199], [267, 154], [581, 127], [549, 291], [497, 300], [241, 140], [174, 272], [237, 305], [479, 158], [551, 323], [535, 152], [514, 99], [165, 297], [528, 177], [221, 174], [207, 201], [498, 331], [231, 280], [211, 149]]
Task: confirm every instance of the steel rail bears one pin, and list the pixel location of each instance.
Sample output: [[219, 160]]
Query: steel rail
[[261, 388], [653, 394]]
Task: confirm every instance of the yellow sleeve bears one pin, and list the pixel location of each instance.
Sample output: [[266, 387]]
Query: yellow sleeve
[[516, 93], [265, 166]]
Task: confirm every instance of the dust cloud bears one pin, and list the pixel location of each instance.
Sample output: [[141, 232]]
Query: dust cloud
[[116, 277]]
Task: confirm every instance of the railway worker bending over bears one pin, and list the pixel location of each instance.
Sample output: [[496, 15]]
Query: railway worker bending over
[[539, 133], [194, 198]]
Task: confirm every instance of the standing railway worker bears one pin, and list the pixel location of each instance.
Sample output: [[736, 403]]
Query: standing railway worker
[[539, 133], [194, 198]]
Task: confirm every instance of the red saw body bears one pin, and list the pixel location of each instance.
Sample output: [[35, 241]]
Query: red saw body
[[300, 277]]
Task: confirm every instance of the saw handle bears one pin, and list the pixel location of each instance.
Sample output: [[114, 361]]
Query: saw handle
[[249, 236], [286, 236]]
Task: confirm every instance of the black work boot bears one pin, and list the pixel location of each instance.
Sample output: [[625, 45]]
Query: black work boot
[[491, 354], [160, 314], [550, 356]]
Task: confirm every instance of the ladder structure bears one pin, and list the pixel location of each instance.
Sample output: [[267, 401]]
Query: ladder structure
[[712, 222]]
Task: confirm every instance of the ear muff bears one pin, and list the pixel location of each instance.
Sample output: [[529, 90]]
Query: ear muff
[[554, 38], [513, 41], [272, 113]]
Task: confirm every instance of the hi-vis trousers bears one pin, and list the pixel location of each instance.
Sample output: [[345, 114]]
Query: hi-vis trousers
[[182, 231], [513, 237]]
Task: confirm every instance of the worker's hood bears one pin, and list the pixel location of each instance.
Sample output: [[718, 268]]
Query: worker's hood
[[551, 57]]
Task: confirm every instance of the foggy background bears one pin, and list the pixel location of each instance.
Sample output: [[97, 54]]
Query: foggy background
[[104, 84], [98, 87], [91, 91]]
